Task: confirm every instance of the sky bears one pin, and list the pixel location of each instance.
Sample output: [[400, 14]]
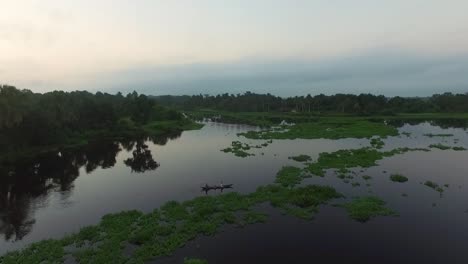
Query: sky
[[284, 47]]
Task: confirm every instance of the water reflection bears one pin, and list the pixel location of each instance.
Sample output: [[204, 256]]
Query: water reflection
[[26, 185], [142, 159]]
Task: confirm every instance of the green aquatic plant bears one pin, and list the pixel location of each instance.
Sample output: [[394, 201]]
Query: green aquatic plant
[[398, 178], [440, 146], [366, 177], [407, 134], [334, 128], [364, 208], [301, 158], [195, 261], [170, 227], [343, 160], [289, 176], [239, 149], [438, 135], [434, 186], [459, 148], [377, 143], [355, 184]]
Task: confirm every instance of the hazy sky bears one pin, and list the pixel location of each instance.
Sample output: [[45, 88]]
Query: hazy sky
[[286, 47]]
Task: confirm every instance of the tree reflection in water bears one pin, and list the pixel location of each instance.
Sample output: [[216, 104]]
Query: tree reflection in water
[[26, 185], [142, 159]]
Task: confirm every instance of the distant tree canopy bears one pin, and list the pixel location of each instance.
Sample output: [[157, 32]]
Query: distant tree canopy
[[364, 104], [28, 118]]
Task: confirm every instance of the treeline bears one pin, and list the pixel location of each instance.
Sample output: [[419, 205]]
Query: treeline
[[32, 119], [363, 104]]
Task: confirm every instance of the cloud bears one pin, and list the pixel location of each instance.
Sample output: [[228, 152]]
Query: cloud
[[384, 72]]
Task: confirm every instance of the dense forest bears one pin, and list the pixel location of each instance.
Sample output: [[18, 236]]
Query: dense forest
[[363, 104], [31, 119]]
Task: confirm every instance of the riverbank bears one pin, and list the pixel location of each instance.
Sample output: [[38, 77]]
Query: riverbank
[[151, 129]]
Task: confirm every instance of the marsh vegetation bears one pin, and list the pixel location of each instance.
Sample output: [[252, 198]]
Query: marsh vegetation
[[339, 145]]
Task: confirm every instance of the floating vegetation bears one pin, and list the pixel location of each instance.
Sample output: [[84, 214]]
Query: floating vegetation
[[355, 184], [398, 178], [407, 134], [364, 208], [343, 160], [366, 177], [333, 128], [438, 135], [239, 148], [440, 146], [195, 261], [444, 147], [170, 227], [301, 158], [377, 143], [289, 176], [459, 148], [434, 186]]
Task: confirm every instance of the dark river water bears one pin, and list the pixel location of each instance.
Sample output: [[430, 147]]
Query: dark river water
[[59, 193]]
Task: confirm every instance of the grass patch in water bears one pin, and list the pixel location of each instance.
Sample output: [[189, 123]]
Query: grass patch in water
[[364, 208], [366, 177], [398, 178], [459, 148], [434, 186], [377, 143], [343, 160], [239, 149], [331, 128], [195, 261], [301, 158], [289, 176], [170, 227], [440, 146], [438, 135], [407, 134]]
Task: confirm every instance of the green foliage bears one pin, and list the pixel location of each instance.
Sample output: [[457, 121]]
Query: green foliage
[[330, 128], [377, 143], [342, 160], [301, 158], [366, 177], [398, 178], [195, 261], [289, 176], [32, 122], [440, 146], [434, 186], [239, 149], [364, 208], [438, 135], [164, 230], [363, 104], [459, 148]]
